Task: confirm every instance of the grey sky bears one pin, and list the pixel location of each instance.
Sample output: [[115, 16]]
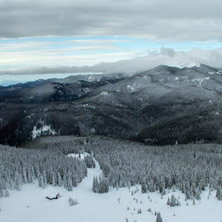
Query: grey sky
[[156, 19], [64, 36]]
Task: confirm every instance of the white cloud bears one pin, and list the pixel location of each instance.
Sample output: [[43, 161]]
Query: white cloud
[[64, 53], [123, 62], [41, 59]]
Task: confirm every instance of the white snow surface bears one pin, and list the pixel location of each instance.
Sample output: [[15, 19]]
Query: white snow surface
[[45, 129], [189, 65], [30, 205], [105, 93], [80, 156], [200, 81]]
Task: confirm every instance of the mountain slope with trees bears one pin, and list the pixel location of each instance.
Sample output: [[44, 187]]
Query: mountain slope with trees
[[164, 105]]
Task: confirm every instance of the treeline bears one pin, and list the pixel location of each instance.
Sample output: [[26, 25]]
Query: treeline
[[20, 166]]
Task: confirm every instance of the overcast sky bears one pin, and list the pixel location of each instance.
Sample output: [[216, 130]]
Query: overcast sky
[[58, 33]]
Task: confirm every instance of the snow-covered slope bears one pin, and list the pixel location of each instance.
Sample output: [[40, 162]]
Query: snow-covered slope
[[189, 65], [123, 205]]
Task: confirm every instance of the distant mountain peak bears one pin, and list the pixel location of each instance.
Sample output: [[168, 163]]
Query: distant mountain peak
[[164, 68]]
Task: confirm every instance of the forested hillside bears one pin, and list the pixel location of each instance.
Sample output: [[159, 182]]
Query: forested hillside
[[164, 105], [189, 168], [20, 166]]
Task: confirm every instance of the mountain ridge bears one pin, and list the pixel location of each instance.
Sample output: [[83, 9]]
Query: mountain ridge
[[164, 105]]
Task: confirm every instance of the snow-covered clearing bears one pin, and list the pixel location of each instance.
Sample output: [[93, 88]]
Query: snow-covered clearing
[[44, 129], [30, 205], [81, 156]]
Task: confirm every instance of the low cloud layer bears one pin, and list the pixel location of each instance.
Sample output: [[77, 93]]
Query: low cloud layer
[[165, 56], [153, 19]]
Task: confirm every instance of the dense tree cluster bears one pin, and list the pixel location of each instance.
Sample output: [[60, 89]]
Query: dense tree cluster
[[63, 144], [188, 168], [20, 166], [90, 163]]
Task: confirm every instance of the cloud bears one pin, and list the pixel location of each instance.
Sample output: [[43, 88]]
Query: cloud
[[128, 65], [168, 52], [156, 19], [63, 51], [164, 57]]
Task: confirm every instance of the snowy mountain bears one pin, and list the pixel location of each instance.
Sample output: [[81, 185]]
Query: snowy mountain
[[164, 105], [189, 65]]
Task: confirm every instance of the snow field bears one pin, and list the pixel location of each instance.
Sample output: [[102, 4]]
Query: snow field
[[122, 205]]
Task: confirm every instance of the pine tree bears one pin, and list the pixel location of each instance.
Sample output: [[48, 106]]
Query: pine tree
[[44, 178], [24, 176], [158, 218], [103, 185], [139, 211], [69, 184], [18, 181], [219, 193], [95, 186], [53, 178], [173, 201], [41, 181], [168, 201], [143, 188], [65, 182], [59, 179], [6, 193]]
